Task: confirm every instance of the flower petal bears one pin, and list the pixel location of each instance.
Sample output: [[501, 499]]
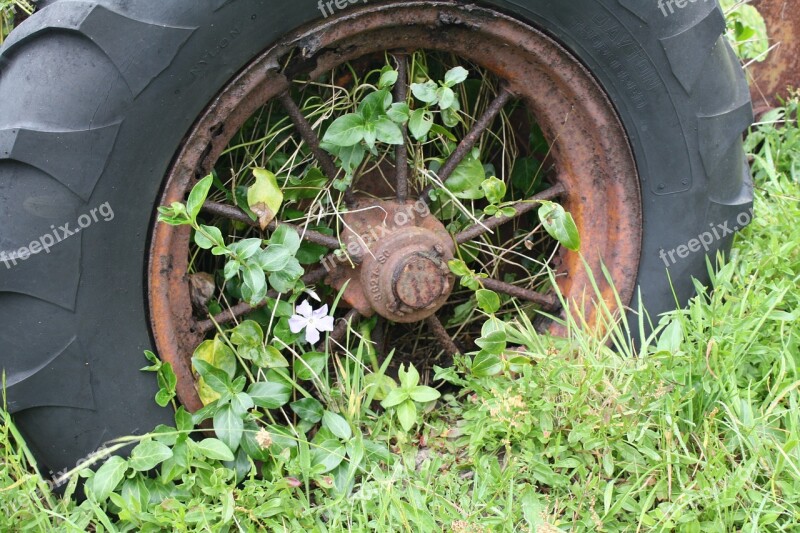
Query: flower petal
[[321, 312], [297, 323], [312, 336], [324, 324], [305, 309]]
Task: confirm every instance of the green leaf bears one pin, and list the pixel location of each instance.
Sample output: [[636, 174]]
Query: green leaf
[[671, 338], [241, 403], [407, 415], [231, 269], [216, 379], [310, 365], [246, 248], [216, 353], [493, 343], [183, 420], [420, 123], [388, 78], [310, 253], [370, 135], [337, 425], [425, 92], [560, 225], [459, 267], [447, 134], [454, 76], [270, 357], [270, 395], [488, 300], [399, 112], [327, 456], [149, 454], [347, 130], [494, 189], [381, 383], [388, 132], [395, 397], [526, 175], [374, 106], [408, 378], [287, 237], [274, 258], [208, 237], [486, 364], [248, 332], [446, 98], [198, 196], [450, 116], [255, 283], [264, 197], [135, 493], [214, 449], [423, 394], [108, 477], [286, 279], [174, 215], [308, 409], [167, 381], [467, 178], [153, 358], [177, 464], [229, 427], [350, 157]]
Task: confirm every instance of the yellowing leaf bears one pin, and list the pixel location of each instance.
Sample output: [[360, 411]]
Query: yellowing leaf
[[264, 197], [216, 353]]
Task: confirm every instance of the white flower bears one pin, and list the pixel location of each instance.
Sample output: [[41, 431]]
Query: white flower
[[312, 321]]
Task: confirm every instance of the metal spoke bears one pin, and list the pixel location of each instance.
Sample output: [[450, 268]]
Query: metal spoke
[[235, 213], [475, 231], [401, 154], [471, 139], [309, 135], [243, 308], [442, 336], [548, 301]]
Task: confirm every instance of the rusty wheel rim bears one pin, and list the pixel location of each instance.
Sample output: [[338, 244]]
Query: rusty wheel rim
[[596, 173]]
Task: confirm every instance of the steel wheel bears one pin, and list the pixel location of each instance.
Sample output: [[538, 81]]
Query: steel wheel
[[402, 274]]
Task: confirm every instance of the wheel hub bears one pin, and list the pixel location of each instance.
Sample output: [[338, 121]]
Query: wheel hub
[[401, 255]]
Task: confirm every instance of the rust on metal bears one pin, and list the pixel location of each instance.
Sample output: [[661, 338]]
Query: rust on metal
[[770, 79], [237, 214], [386, 238], [308, 134], [420, 280], [444, 339], [401, 156], [549, 302], [589, 148]]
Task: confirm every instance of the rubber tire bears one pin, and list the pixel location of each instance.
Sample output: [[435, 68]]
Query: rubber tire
[[97, 96]]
